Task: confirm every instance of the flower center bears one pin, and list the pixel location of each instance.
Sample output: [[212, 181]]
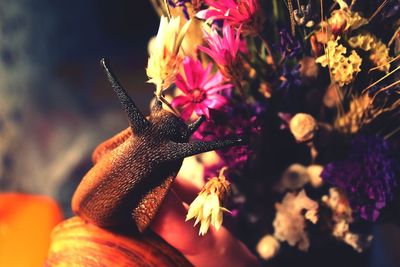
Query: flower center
[[198, 95]]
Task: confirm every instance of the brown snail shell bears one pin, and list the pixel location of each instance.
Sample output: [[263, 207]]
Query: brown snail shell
[[77, 243]]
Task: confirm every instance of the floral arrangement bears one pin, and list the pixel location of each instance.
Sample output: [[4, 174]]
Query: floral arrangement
[[313, 86]]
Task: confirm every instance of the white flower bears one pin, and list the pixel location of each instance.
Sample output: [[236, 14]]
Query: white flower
[[289, 223], [293, 178], [314, 171], [206, 208], [165, 59]]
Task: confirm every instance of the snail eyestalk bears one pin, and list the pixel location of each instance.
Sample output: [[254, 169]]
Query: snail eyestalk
[[136, 119]]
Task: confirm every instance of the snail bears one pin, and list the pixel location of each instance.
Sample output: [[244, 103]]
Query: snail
[[134, 170]]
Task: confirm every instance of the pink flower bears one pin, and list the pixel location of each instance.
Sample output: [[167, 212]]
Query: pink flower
[[224, 50], [235, 13], [200, 89]]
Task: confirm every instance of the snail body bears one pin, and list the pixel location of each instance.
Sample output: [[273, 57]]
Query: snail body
[[134, 170]]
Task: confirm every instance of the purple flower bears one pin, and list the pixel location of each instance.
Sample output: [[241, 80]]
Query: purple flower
[[240, 121], [368, 175], [289, 46], [290, 77]]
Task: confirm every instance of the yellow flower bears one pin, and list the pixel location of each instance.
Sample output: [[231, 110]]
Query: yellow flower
[[164, 57], [343, 69], [206, 208], [379, 52]]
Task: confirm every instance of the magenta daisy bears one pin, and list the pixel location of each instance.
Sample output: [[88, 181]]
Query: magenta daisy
[[235, 13], [201, 89], [224, 50]]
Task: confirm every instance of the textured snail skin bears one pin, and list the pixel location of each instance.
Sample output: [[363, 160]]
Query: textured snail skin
[[134, 170], [77, 243]]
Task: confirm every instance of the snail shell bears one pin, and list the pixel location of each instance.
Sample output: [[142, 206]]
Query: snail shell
[[76, 243]]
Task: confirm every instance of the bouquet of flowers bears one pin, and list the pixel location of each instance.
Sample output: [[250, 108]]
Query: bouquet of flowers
[[313, 87]]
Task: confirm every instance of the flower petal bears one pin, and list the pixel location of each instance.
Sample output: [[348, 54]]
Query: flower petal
[[181, 84], [186, 112], [180, 101], [215, 101]]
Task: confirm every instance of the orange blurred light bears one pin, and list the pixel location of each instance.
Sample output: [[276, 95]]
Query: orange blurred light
[[26, 222]]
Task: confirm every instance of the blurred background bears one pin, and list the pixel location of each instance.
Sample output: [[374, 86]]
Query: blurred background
[[55, 103]]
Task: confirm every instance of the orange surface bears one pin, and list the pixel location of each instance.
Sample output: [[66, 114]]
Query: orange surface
[[77, 243], [26, 222]]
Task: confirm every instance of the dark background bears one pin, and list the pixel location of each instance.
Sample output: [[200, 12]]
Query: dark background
[[55, 103]]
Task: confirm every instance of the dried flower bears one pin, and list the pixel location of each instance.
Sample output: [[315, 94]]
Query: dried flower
[[339, 204], [242, 121], [200, 89], [342, 217], [165, 59], [206, 208], [368, 174], [303, 126], [360, 110], [293, 178], [224, 51], [289, 223], [314, 171], [290, 77], [343, 68], [235, 13], [289, 46], [379, 52], [302, 15], [343, 19], [268, 247]]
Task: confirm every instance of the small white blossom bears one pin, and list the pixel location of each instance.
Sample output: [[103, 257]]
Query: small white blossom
[[293, 178], [164, 60], [289, 223], [314, 171], [206, 208]]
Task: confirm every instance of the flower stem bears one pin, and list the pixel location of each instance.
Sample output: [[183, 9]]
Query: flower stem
[[167, 8], [269, 50]]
